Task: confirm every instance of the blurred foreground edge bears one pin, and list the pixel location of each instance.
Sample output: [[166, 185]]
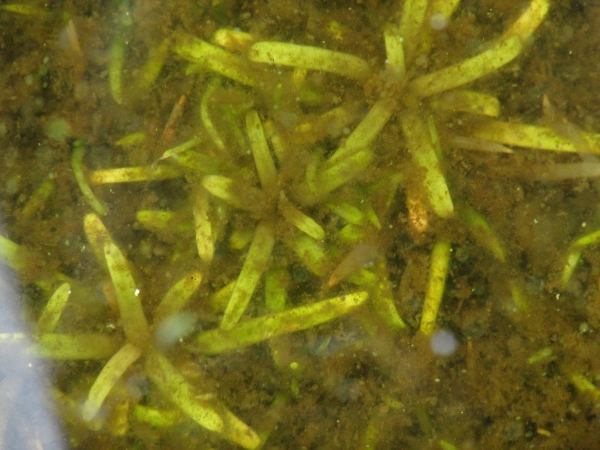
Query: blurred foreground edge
[[27, 416]]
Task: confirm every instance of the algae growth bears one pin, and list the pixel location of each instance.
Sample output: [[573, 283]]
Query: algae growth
[[241, 223]]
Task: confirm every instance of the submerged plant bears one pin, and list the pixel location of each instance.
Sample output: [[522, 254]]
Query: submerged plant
[[280, 215]]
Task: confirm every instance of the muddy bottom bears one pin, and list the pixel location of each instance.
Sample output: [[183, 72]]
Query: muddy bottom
[[510, 360]]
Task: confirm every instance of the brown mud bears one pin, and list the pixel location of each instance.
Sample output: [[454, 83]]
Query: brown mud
[[356, 388]]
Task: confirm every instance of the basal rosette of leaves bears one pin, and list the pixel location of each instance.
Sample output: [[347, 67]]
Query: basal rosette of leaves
[[290, 197]]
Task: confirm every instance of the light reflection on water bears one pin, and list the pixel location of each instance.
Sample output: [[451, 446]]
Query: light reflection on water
[[27, 420]]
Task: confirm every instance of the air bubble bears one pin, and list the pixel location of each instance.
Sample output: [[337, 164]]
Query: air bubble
[[438, 21], [443, 343]]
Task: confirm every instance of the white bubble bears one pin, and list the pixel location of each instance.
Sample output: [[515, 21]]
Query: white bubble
[[174, 328], [438, 21], [443, 343]]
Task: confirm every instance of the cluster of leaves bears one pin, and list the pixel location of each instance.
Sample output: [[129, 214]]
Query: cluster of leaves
[[288, 180]]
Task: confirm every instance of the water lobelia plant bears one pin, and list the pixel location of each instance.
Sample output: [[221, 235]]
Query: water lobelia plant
[[289, 178]]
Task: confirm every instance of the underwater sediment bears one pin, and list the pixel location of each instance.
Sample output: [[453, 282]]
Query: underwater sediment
[[304, 224]]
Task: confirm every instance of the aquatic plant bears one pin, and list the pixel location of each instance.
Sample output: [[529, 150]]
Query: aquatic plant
[[287, 178]]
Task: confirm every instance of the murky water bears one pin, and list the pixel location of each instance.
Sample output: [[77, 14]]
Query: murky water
[[212, 238]]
